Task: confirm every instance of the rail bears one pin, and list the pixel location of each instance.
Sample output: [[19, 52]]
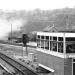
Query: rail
[[23, 69]]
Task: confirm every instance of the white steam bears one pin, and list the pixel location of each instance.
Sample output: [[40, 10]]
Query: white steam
[[5, 27]]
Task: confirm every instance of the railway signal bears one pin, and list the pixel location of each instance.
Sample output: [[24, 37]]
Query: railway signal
[[25, 40]]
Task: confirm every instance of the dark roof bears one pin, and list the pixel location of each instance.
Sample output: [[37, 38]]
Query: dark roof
[[58, 29], [50, 29], [71, 31]]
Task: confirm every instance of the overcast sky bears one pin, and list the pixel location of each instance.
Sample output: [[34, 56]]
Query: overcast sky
[[5, 26], [32, 4]]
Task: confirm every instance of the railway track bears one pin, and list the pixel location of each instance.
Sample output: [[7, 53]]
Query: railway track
[[17, 44], [24, 70]]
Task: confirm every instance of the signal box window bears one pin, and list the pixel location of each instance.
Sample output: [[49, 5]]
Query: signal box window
[[55, 38], [42, 41], [47, 42], [38, 41], [54, 46], [60, 38], [50, 37], [60, 44], [53, 43], [38, 37], [70, 45], [42, 37], [60, 47], [47, 37]]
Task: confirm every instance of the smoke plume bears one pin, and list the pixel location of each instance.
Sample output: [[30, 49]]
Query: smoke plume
[[6, 26]]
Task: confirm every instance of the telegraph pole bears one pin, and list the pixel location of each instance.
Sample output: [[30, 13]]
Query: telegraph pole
[[11, 33], [67, 22]]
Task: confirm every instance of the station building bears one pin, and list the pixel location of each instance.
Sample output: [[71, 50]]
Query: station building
[[56, 50]]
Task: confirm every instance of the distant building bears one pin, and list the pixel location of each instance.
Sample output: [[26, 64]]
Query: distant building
[[58, 29], [50, 29]]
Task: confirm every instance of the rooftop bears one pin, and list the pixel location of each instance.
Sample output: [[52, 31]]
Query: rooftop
[[59, 29]]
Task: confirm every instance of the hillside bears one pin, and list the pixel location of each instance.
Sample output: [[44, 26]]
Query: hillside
[[38, 19]]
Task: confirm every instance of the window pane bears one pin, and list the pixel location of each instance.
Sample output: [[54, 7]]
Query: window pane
[[38, 43], [73, 60], [70, 39], [50, 37], [60, 38], [54, 46], [47, 44], [42, 37], [60, 47], [47, 37], [54, 38], [51, 45], [42, 43], [70, 47], [38, 37]]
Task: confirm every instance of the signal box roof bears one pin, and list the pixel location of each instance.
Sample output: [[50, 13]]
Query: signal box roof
[[58, 29], [56, 34]]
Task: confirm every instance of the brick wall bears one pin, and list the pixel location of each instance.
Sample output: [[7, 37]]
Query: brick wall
[[68, 66], [60, 65], [53, 62]]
